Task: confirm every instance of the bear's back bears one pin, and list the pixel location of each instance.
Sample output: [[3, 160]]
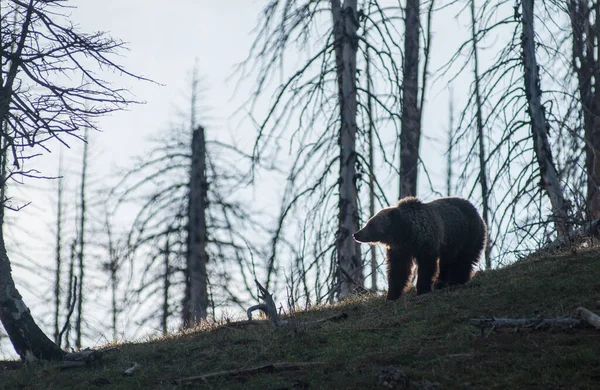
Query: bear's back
[[462, 223]]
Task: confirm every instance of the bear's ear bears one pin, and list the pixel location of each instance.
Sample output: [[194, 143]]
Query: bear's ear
[[394, 216]]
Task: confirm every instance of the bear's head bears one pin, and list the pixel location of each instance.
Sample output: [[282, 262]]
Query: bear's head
[[381, 228]]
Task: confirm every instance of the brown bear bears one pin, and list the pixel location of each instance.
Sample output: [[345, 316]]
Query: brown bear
[[445, 238]]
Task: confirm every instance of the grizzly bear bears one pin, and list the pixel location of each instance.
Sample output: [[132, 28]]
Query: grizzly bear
[[445, 238]]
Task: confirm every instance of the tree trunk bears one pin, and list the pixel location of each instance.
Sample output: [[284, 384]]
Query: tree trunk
[[166, 285], [26, 337], [548, 174], [196, 297], [72, 294], [449, 162], [349, 273], [81, 243], [58, 249], [410, 134], [585, 39], [483, 182], [372, 249]]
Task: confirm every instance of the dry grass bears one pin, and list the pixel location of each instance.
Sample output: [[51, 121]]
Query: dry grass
[[427, 337]]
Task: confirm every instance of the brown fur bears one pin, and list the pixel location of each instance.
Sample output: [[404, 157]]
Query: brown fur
[[445, 238]]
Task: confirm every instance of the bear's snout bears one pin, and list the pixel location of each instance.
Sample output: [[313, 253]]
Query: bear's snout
[[359, 236]]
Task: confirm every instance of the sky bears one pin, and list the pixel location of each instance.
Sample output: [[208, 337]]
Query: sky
[[165, 41]]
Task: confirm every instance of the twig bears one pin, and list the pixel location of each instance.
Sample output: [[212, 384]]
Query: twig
[[591, 318], [268, 368]]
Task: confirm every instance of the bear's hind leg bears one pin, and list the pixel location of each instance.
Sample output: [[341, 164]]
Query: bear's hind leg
[[428, 272], [462, 270], [442, 281]]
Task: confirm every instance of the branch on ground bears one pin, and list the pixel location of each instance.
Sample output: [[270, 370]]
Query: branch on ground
[[268, 307], [591, 318], [268, 368], [270, 311], [586, 319]]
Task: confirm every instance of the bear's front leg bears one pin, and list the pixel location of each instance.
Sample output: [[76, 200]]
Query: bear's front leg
[[399, 272], [429, 269]]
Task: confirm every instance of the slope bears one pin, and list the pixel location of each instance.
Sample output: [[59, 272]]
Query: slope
[[428, 338]]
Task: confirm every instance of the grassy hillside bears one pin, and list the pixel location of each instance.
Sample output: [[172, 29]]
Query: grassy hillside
[[428, 338]]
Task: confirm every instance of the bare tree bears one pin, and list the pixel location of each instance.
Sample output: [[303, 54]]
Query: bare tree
[[189, 230], [549, 180], [585, 63], [498, 109], [81, 237], [345, 24], [372, 189], [196, 284], [410, 136], [328, 132], [483, 180], [166, 313], [58, 249], [116, 256], [44, 89], [450, 145]]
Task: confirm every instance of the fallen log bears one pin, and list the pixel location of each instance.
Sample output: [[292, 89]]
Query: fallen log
[[586, 319]]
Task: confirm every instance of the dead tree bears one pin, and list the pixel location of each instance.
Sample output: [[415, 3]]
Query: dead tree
[[81, 230], [44, 91], [184, 192], [483, 180], [58, 250], [450, 145], [586, 65], [517, 182], [410, 135], [371, 140], [349, 262], [328, 132], [549, 179], [196, 296]]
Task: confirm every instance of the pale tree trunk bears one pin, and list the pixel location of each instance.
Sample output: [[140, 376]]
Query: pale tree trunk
[[166, 286], [196, 296], [548, 174], [585, 64], [80, 253], [449, 161], [483, 181], [58, 249], [410, 134], [71, 294], [113, 268], [372, 249], [349, 273]]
